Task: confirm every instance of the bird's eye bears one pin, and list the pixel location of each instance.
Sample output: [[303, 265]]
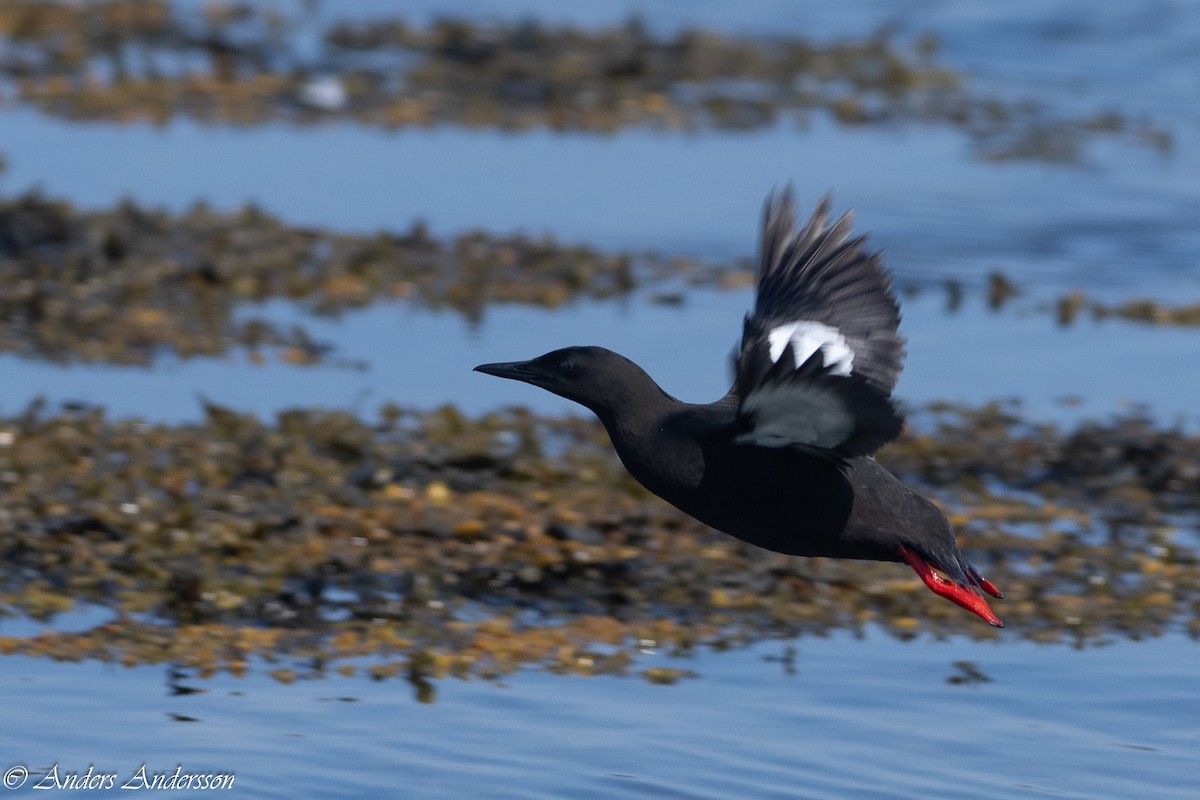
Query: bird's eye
[[565, 367]]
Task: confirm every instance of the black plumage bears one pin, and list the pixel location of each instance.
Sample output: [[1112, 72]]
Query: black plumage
[[784, 459]]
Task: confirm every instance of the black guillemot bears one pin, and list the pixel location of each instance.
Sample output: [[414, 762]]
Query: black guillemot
[[784, 459]]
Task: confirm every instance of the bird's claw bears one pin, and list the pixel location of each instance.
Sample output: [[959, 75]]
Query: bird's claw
[[983, 583]]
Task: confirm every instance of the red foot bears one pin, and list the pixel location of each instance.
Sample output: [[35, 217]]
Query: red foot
[[955, 593]]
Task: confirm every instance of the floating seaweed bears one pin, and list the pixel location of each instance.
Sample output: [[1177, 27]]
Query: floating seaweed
[[433, 544], [239, 63], [129, 284]]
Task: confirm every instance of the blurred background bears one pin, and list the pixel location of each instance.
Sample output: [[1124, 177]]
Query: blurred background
[[250, 252]]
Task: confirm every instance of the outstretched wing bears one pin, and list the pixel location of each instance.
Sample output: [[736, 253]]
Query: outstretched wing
[[820, 354]]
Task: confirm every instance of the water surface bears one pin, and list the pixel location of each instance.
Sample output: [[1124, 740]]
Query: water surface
[[833, 717], [864, 717]]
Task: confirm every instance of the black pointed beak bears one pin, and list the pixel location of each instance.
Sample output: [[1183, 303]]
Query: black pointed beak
[[514, 370]]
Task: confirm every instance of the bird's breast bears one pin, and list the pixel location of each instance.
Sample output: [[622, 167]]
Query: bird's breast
[[771, 497]]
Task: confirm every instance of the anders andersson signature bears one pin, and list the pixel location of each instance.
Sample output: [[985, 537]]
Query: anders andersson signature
[[143, 777]]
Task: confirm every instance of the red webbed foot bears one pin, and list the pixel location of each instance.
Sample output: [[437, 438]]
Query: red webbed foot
[[956, 593]]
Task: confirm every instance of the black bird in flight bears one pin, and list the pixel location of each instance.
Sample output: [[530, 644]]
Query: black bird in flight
[[784, 459]]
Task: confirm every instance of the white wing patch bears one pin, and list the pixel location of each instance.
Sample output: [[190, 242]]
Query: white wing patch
[[806, 336], [788, 414]]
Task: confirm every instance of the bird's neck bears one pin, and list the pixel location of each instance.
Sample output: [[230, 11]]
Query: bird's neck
[[634, 407], [647, 442]]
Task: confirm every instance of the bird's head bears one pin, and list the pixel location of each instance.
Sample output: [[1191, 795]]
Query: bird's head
[[591, 376]]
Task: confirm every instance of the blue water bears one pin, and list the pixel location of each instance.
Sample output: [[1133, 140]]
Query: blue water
[[1121, 223], [867, 717], [935, 210], [1102, 368]]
